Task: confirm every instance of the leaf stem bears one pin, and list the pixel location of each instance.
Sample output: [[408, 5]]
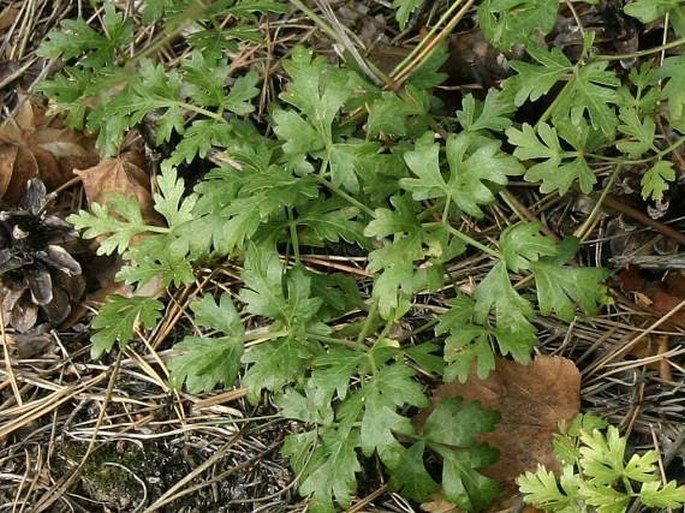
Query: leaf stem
[[199, 110], [640, 53], [337, 190], [583, 231], [368, 322], [672, 147], [293, 234], [466, 238], [338, 341]]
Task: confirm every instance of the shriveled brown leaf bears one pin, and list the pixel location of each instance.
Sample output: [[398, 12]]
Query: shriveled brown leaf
[[532, 400], [33, 145], [122, 175], [659, 296]]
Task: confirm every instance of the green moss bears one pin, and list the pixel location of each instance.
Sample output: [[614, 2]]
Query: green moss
[[112, 474]]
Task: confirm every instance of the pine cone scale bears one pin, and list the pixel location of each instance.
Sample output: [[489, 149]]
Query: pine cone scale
[[39, 278]]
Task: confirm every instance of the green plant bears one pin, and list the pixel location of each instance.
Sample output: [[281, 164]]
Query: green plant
[[353, 164], [595, 474]]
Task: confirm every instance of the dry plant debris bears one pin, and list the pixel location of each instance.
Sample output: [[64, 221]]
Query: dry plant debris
[[335, 235], [34, 145]]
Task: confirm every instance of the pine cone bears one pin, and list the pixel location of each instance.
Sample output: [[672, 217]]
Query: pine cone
[[39, 279]]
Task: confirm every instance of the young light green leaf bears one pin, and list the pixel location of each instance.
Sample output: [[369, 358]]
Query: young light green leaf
[[604, 498], [171, 201], [596, 475], [642, 467], [118, 318], [655, 495], [119, 221], [602, 456], [655, 180], [540, 489]]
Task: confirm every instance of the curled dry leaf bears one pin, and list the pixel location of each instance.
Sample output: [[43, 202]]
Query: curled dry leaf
[[33, 145], [532, 400], [123, 175], [659, 296]]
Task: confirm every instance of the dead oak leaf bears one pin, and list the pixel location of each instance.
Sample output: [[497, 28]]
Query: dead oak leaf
[[532, 400], [33, 145], [121, 175]]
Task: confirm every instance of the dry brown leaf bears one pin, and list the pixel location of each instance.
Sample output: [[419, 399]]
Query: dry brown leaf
[[33, 145], [122, 175], [660, 297], [532, 399]]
